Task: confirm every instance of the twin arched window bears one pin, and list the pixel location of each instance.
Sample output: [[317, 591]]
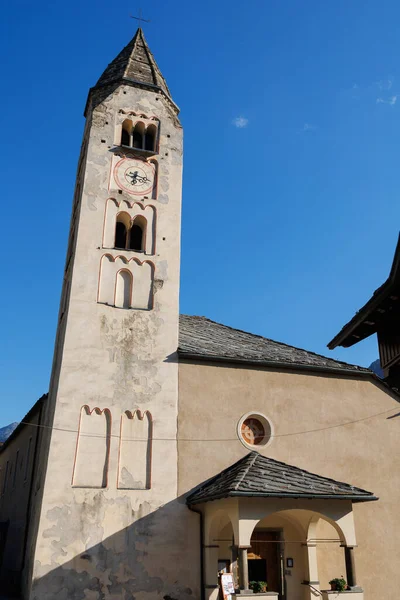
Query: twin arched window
[[130, 235], [138, 136]]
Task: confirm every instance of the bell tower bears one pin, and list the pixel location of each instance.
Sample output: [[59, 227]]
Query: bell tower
[[107, 484]]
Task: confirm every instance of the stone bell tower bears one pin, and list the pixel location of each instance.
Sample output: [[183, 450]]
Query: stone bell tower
[[106, 491]]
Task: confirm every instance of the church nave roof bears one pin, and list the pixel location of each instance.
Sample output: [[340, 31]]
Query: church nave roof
[[204, 339]]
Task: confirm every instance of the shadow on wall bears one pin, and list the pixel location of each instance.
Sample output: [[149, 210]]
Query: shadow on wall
[[156, 557]]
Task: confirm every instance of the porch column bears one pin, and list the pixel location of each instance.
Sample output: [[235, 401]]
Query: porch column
[[234, 563], [350, 568], [312, 565], [244, 570]]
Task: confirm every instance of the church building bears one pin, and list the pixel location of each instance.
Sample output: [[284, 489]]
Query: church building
[[170, 448]]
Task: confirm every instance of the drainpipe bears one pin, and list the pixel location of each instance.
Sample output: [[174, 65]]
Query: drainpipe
[[202, 585]]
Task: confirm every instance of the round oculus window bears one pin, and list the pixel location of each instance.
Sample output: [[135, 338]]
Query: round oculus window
[[254, 430]]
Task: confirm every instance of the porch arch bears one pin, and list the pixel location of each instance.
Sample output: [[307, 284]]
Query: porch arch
[[214, 523], [313, 524], [339, 514], [308, 523]]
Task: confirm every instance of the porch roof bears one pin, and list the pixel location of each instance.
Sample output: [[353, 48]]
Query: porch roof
[[257, 475]]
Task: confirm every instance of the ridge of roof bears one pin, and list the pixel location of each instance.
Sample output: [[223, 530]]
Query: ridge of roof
[[258, 475], [291, 355], [251, 463]]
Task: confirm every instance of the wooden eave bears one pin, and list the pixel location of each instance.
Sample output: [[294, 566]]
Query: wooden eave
[[376, 313]]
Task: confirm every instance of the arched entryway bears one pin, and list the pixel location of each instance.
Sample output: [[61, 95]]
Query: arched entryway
[[294, 542], [296, 552], [292, 552]]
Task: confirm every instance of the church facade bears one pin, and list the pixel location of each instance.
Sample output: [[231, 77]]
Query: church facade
[[171, 448]]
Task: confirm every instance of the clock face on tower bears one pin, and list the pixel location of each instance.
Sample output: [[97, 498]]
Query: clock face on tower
[[135, 176]]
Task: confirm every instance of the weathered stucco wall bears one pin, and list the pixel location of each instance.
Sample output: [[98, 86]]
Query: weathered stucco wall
[[105, 542], [212, 399]]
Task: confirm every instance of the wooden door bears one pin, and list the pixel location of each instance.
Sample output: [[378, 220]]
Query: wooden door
[[264, 559]]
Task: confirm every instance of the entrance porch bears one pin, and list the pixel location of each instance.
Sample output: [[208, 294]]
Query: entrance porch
[[286, 544]]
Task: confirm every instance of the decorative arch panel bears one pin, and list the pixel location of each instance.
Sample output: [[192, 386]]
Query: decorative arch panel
[[92, 448], [134, 465], [126, 283]]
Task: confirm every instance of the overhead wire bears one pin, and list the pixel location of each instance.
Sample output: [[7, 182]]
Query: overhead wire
[[180, 439], [302, 542]]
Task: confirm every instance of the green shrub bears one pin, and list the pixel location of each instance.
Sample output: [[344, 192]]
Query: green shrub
[[339, 583], [258, 586]]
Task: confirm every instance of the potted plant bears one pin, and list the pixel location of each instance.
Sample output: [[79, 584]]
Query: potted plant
[[338, 584], [258, 587]]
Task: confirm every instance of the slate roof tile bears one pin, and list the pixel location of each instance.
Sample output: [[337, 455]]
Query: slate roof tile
[[257, 475], [200, 337], [135, 63]]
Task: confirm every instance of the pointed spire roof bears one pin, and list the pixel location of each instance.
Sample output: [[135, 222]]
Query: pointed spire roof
[[135, 64]]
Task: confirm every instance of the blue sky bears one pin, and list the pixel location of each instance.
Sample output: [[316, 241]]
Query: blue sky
[[291, 178]]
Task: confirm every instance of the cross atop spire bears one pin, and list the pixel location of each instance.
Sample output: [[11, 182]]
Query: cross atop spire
[[135, 65], [140, 18]]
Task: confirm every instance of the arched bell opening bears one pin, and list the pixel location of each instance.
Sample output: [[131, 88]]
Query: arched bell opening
[[150, 138], [126, 133], [137, 236], [122, 227], [120, 235], [138, 136]]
